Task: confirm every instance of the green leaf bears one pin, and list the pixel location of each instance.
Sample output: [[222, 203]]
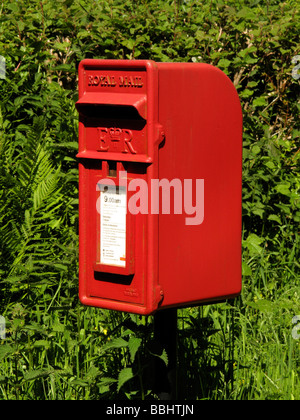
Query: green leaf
[[92, 374], [116, 343], [255, 149], [275, 218], [263, 305], [283, 189], [224, 63], [106, 381], [246, 93], [133, 345], [5, 350], [124, 376], [269, 164], [253, 244], [58, 327], [246, 270], [78, 381], [128, 43], [42, 343], [259, 102], [37, 373], [163, 356]]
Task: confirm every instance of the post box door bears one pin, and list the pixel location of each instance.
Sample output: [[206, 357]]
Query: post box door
[[118, 144]]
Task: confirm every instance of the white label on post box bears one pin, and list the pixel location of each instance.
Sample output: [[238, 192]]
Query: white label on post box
[[113, 226]]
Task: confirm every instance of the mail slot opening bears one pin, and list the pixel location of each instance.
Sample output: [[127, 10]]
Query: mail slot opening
[[113, 278], [119, 112]]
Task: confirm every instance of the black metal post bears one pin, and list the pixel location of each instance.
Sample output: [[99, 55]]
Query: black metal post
[[165, 334]]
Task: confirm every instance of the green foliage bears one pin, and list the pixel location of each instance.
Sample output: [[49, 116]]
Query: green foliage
[[57, 349]]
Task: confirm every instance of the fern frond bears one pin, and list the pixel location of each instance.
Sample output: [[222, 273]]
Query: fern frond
[[46, 189]]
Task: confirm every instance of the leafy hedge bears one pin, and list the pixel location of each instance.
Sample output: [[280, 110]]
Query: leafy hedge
[[49, 335]]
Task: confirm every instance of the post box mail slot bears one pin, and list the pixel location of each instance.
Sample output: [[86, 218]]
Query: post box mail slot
[[160, 170]]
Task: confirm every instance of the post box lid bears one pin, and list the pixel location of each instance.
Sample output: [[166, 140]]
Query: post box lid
[[137, 101]]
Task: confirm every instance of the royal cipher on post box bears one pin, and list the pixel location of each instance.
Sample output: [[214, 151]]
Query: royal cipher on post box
[[160, 172]]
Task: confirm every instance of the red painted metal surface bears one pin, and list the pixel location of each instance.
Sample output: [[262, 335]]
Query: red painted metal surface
[[141, 121]]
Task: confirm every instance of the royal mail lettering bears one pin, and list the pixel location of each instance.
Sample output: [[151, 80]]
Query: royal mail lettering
[[102, 80], [132, 81], [113, 81]]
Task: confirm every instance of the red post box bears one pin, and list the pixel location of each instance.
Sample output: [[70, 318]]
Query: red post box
[[160, 172]]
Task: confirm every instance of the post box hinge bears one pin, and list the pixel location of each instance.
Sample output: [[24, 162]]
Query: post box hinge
[[160, 136], [158, 295]]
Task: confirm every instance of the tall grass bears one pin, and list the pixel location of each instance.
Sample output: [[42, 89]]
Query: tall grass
[[234, 350]]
